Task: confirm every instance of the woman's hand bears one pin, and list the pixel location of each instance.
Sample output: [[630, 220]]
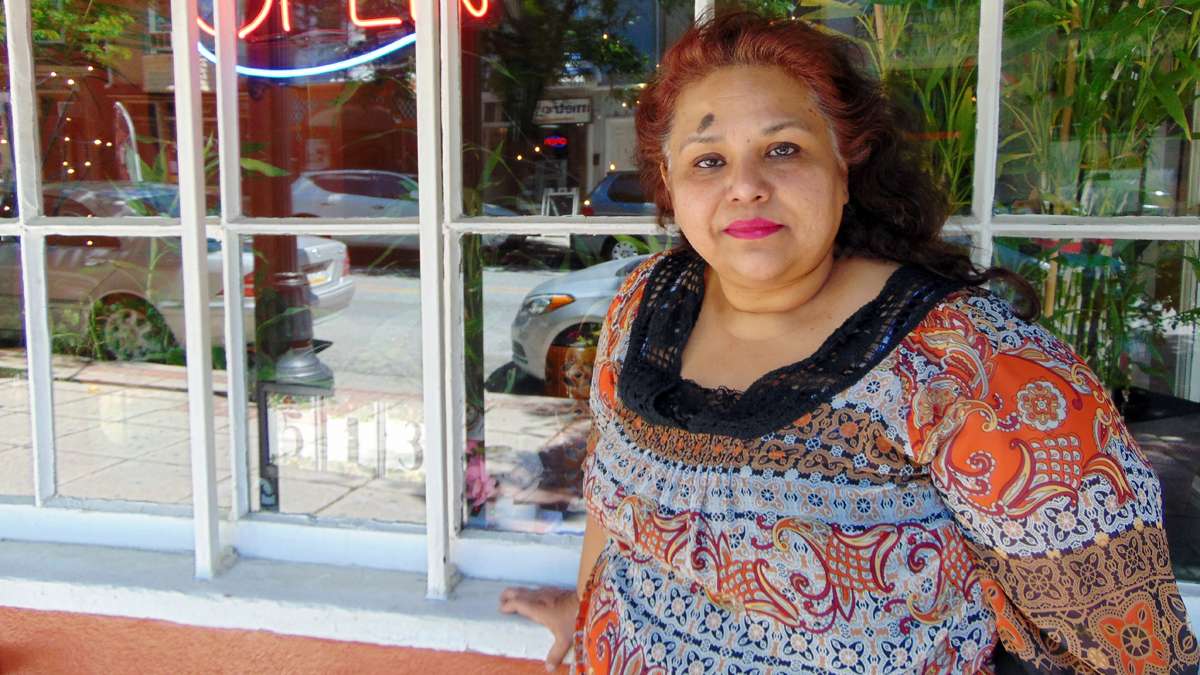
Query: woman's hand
[[554, 608]]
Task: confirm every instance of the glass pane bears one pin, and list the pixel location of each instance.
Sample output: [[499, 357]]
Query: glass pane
[[1097, 107], [548, 94], [327, 107], [532, 312], [1131, 309], [335, 325], [120, 385], [105, 91], [16, 462]]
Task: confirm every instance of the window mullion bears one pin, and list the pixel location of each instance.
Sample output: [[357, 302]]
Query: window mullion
[[987, 122], [188, 120], [33, 251], [230, 177], [433, 274]]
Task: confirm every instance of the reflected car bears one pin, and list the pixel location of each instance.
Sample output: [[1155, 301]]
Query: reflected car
[[371, 193], [99, 199], [564, 310], [619, 193], [124, 295]]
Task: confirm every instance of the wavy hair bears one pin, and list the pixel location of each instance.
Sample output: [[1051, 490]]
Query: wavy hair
[[896, 209]]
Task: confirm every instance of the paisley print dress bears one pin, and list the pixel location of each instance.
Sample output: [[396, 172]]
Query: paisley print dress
[[940, 477]]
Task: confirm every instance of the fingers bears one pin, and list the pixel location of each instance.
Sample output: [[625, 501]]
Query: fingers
[[557, 652]]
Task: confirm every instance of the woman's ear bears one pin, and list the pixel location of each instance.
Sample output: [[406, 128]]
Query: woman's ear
[[662, 172]]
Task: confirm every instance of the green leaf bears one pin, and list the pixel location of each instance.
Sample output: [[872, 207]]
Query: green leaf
[[1170, 100], [259, 166]]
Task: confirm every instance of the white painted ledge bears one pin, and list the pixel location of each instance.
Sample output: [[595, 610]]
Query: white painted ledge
[[338, 603], [355, 604]]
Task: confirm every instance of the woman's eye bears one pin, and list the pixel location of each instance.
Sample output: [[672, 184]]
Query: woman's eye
[[708, 163], [783, 150]]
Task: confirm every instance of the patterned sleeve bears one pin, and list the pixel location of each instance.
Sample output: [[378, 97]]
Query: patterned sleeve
[[1059, 505]]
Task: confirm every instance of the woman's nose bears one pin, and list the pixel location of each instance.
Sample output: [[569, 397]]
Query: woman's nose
[[747, 184]]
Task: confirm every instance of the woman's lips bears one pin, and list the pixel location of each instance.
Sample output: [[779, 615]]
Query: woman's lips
[[755, 228]]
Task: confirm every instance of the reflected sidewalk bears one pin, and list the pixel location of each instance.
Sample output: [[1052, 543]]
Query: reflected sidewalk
[[122, 434]]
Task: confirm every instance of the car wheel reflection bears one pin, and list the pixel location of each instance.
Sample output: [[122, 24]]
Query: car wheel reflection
[[130, 330]]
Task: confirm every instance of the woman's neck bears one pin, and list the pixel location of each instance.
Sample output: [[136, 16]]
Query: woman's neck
[[761, 313]]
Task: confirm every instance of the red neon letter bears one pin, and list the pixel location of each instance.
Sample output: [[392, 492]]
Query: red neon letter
[[371, 23], [477, 13]]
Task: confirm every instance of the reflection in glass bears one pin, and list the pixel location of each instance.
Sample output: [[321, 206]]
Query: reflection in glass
[[105, 89], [120, 386], [1131, 309], [1097, 103], [532, 314], [336, 358], [336, 84], [549, 90], [16, 462]]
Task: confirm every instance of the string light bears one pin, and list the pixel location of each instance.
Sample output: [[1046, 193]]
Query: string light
[[612, 166], [605, 36], [70, 171], [67, 139], [66, 164], [70, 81], [108, 144], [90, 69], [53, 74], [97, 141], [537, 148], [87, 163], [519, 158]]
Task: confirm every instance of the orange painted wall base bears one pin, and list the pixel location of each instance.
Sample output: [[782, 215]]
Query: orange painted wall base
[[56, 643]]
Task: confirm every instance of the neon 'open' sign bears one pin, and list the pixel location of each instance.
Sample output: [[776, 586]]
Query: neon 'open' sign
[[476, 9]]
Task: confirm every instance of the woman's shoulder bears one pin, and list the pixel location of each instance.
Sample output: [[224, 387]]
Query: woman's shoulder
[[985, 324]]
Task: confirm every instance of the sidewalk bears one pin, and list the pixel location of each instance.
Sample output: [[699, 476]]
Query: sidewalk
[[122, 434]]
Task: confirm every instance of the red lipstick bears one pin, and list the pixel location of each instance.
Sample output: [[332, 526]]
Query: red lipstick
[[754, 228]]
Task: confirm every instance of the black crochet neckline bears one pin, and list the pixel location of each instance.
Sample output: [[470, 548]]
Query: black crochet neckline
[[650, 384]]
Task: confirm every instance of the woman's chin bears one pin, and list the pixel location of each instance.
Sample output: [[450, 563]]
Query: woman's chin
[[757, 267]]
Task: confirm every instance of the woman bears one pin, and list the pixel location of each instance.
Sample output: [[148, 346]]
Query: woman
[[819, 444]]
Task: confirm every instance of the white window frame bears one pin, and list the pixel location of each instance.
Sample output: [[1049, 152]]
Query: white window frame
[[442, 548]]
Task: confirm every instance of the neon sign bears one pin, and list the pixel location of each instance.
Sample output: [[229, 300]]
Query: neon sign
[[555, 141], [477, 10]]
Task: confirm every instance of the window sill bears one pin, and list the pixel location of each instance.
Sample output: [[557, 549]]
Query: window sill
[[323, 601], [352, 604]]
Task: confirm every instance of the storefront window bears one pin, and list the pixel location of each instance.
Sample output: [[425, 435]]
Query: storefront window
[[16, 461], [337, 83], [1097, 107], [548, 95], [533, 310], [105, 90], [336, 412], [1131, 309]]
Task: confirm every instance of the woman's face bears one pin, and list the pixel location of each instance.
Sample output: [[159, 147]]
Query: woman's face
[[755, 182]]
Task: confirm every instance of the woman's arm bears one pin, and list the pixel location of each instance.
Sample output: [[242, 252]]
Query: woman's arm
[[1059, 507], [594, 539]]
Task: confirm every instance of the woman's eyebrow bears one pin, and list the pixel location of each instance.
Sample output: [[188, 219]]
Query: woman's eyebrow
[[786, 124]]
